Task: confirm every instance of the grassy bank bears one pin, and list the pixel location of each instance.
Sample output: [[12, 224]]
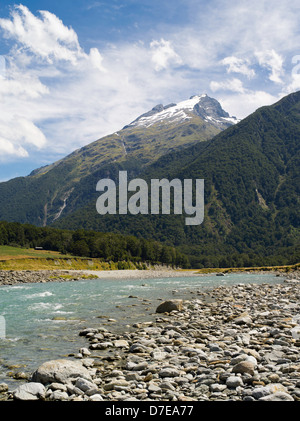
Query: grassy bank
[[283, 269], [15, 258], [74, 263], [12, 253]]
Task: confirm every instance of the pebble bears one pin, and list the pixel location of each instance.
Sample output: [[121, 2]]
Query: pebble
[[235, 343]]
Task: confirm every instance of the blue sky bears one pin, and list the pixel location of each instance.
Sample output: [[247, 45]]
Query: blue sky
[[74, 71]]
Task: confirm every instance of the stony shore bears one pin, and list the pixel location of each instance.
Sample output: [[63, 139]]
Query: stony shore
[[11, 277], [230, 343]]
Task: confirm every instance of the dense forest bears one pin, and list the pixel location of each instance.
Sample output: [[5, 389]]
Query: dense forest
[[106, 246], [123, 248], [252, 191], [252, 199]]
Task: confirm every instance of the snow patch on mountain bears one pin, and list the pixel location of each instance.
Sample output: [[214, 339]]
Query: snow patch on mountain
[[203, 106]]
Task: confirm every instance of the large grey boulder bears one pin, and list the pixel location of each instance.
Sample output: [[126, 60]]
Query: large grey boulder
[[60, 371], [29, 392], [168, 306], [244, 367]]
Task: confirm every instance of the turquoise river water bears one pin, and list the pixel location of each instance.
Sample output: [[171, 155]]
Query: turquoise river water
[[40, 322]]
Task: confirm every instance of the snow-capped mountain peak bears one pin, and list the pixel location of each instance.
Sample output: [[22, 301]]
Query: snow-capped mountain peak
[[209, 109]]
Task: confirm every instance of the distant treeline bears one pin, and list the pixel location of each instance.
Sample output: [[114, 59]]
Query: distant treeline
[[106, 246]]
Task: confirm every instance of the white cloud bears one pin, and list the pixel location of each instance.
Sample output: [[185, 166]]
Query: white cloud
[[96, 59], [272, 61], [243, 104], [8, 149], [163, 54], [22, 85], [233, 85], [46, 37], [294, 82], [2, 67], [240, 101], [18, 133], [43, 67], [72, 97], [294, 85], [238, 65], [28, 132]]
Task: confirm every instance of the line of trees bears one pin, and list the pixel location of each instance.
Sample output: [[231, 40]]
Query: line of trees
[[106, 246]]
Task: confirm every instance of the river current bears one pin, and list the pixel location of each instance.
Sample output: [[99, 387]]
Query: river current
[[41, 322]]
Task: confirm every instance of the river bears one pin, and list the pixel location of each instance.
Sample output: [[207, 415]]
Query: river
[[41, 321]]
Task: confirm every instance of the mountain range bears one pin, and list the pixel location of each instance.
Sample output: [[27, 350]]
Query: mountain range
[[250, 168], [56, 190]]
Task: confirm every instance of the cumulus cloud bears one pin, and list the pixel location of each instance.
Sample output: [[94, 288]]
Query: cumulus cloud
[[294, 82], [73, 97], [18, 133], [243, 104], [96, 59], [46, 36], [241, 101], [272, 61], [7, 149], [294, 85], [238, 65], [163, 54], [59, 97], [37, 76]]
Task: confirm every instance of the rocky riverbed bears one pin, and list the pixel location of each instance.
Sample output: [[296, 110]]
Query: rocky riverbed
[[15, 277], [230, 343], [12, 277]]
